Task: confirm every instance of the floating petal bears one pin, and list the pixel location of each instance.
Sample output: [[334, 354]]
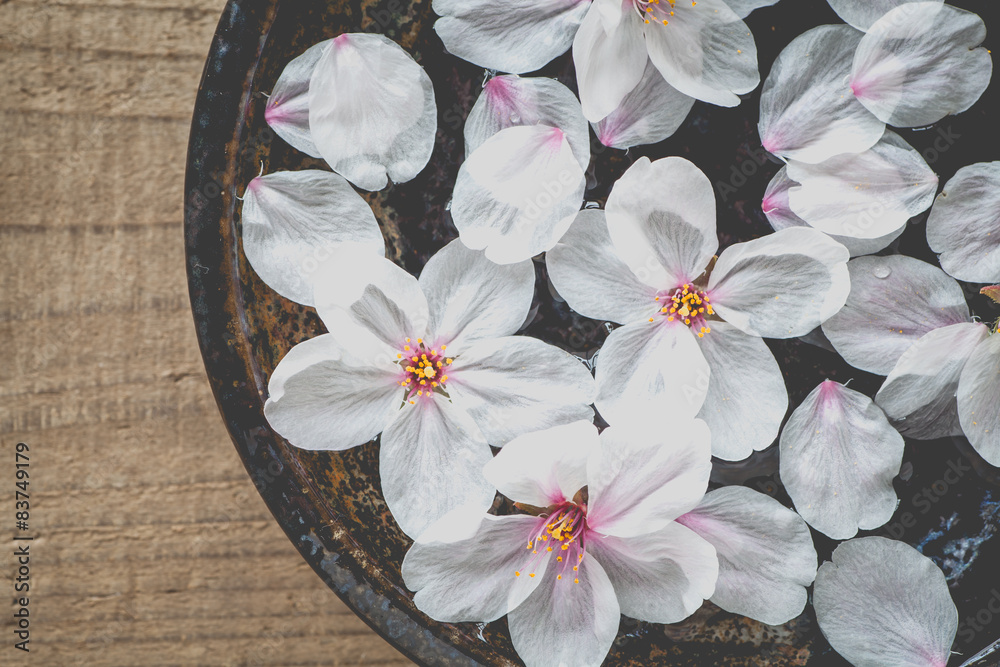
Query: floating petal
[[881, 602], [919, 62], [287, 108], [839, 455], [918, 396], [807, 110], [964, 224], [294, 221], [978, 398], [372, 112], [894, 300]]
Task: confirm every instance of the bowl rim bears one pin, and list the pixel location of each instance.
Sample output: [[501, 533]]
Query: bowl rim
[[219, 123]]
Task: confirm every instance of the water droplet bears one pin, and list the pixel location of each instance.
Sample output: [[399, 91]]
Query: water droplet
[[591, 205], [447, 206], [881, 271], [515, 118]]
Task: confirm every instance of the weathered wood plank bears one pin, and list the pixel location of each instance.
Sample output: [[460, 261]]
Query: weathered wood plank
[[152, 545]]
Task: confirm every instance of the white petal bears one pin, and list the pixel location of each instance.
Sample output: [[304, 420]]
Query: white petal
[[609, 62], [508, 101], [471, 298], [546, 467], [649, 114], [747, 399], [644, 476], [518, 193], [864, 195], [863, 13], [473, 579], [519, 384], [780, 215], [894, 300], [807, 110], [565, 623], [294, 220], [919, 63], [881, 602], [372, 112], [919, 394], [321, 401], [431, 462], [661, 217], [287, 108], [781, 285], [587, 272], [706, 52], [743, 8], [839, 455], [765, 550], [511, 36], [370, 305], [646, 366], [964, 224], [978, 396], [659, 577]]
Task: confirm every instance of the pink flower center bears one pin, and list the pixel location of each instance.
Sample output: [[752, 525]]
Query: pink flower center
[[689, 305], [656, 12], [562, 533], [424, 370]]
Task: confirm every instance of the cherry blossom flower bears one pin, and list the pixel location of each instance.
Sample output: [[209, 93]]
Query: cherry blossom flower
[[613, 524], [650, 267], [964, 224], [702, 49], [839, 455], [881, 602], [528, 146], [431, 365], [361, 103]]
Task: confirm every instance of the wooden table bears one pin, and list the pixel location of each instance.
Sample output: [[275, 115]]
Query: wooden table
[[151, 546]]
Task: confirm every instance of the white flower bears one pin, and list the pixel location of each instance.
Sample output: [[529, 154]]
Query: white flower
[[881, 602], [649, 267], [432, 366], [361, 103], [528, 146], [620, 525], [703, 49], [964, 224], [839, 455]]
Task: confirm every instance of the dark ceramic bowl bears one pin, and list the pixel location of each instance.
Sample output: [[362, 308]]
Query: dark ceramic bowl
[[330, 504]]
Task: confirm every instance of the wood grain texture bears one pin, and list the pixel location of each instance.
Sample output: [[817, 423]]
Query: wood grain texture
[[151, 545]]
